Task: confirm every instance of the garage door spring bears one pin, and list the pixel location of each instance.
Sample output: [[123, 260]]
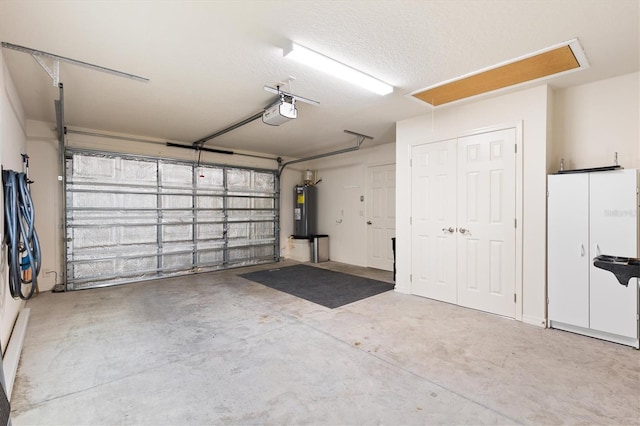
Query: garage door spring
[[20, 234]]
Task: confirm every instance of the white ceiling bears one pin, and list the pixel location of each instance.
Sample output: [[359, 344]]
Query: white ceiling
[[208, 61]]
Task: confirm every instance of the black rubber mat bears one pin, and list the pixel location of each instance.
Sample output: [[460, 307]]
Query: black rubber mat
[[5, 408], [327, 288]]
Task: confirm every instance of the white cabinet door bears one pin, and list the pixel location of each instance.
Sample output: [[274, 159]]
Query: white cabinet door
[[433, 212], [614, 231], [568, 249], [486, 222]]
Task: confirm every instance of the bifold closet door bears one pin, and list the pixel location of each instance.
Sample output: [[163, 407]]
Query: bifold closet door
[[463, 221], [433, 195], [486, 210]]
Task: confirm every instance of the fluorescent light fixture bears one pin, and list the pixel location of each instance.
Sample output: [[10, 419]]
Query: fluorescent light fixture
[[323, 63]]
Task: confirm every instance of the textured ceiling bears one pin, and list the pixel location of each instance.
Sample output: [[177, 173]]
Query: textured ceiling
[[208, 61]]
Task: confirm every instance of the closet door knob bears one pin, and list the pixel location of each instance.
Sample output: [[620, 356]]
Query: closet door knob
[[449, 230], [463, 231]]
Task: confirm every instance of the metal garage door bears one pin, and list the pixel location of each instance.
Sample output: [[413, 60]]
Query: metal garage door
[[134, 218]]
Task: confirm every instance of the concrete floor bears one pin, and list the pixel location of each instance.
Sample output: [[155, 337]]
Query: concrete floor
[[216, 348]]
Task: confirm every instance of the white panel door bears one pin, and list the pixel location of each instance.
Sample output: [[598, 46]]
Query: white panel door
[[614, 231], [568, 249], [381, 215], [486, 213], [433, 212]]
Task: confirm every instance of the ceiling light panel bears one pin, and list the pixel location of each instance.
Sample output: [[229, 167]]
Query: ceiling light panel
[[558, 59], [337, 69]]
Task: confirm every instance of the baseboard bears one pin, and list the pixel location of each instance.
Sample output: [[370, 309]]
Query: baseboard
[[537, 321], [14, 349], [402, 289], [623, 340]]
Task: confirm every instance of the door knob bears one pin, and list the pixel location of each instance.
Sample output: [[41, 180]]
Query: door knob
[[449, 230], [463, 231], [368, 222]]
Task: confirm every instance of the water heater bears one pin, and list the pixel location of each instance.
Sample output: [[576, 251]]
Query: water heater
[[305, 220]]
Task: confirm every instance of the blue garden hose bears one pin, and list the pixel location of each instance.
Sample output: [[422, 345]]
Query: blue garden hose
[[20, 234]]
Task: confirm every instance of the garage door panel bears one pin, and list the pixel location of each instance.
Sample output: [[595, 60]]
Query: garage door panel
[[137, 234], [237, 231], [262, 231], [95, 167], [210, 178], [138, 263], [181, 261], [137, 218], [238, 179], [141, 172], [210, 231], [176, 175], [175, 233], [209, 201], [211, 256], [96, 236]]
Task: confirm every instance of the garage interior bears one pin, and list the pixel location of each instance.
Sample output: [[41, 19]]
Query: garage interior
[[175, 149]]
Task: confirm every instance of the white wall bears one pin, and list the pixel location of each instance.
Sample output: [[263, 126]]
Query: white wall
[[592, 121], [344, 180], [12, 144], [46, 194], [528, 107]]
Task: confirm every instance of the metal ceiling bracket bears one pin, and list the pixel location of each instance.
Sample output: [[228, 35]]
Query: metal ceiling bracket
[[39, 54], [279, 92], [53, 73], [359, 139]]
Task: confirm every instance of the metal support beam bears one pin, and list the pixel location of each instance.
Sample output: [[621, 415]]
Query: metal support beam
[[360, 139], [248, 120], [62, 177], [39, 54]]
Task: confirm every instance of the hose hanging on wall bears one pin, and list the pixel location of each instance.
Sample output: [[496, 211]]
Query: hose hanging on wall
[[20, 234]]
